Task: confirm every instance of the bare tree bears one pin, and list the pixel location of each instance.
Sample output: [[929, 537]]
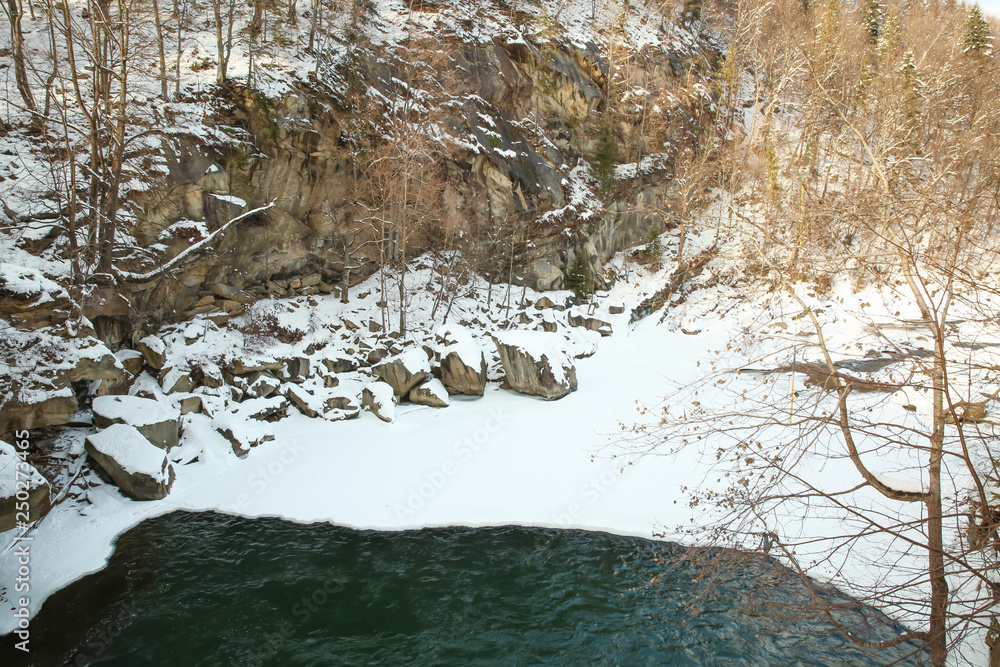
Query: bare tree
[[891, 179]]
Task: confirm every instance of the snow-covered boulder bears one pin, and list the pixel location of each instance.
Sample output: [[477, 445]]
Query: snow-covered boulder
[[463, 364], [153, 350], [174, 380], [314, 398], [35, 405], [536, 363], [340, 364], [432, 393], [379, 398], [404, 371], [138, 467], [131, 360], [159, 423], [592, 323], [272, 408], [15, 475], [262, 385], [242, 433]]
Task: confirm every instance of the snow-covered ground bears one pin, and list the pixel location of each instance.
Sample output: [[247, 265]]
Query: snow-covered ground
[[507, 458]]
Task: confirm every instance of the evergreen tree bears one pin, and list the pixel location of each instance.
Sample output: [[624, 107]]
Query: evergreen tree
[[977, 40], [692, 11], [578, 277], [873, 19], [830, 22], [889, 37], [603, 166]]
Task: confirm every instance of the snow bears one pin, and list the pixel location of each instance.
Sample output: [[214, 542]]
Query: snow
[[133, 452], [28, 282], [456, 339], [134, 411], [565, 464], [414, 361], [231, 199], [154, 343], [902, 485]]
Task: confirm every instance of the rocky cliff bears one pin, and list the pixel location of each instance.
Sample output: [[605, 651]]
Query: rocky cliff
[[520, 123]]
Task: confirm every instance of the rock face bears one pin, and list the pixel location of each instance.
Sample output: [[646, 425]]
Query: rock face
[[138, 467], [535, 363], [463, 363], [160, 424], [432, 393], [44, 351], [501, 172], [405, 371], [12, 471]]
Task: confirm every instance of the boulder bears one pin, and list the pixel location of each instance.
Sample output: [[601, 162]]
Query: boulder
[[138, 467], [191, 404], [298, 368], [246, 367], [304, 400], [131, 360], [344, 400], [591, 323], [96, 363], [544, 302], [377, 355], [243, 435], [340, 365], [153, 350], [405, 371], [269, 409], [379, 398], [261, 385], [209, 374], [174, 380], [463, 363], [536, 363], [432, 393], [158, 423], [314, 398], [17, 474], [30, 408]]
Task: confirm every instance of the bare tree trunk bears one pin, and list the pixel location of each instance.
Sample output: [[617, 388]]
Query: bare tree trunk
[[316, 11], [345, 276], [15, 11], [162, 52], [180, 15]]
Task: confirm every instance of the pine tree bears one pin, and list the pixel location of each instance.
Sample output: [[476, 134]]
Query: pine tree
[[977, 40], [889, 38], [873, 19], [603, 166], [830, 22], [692, 11], [578, 277]]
